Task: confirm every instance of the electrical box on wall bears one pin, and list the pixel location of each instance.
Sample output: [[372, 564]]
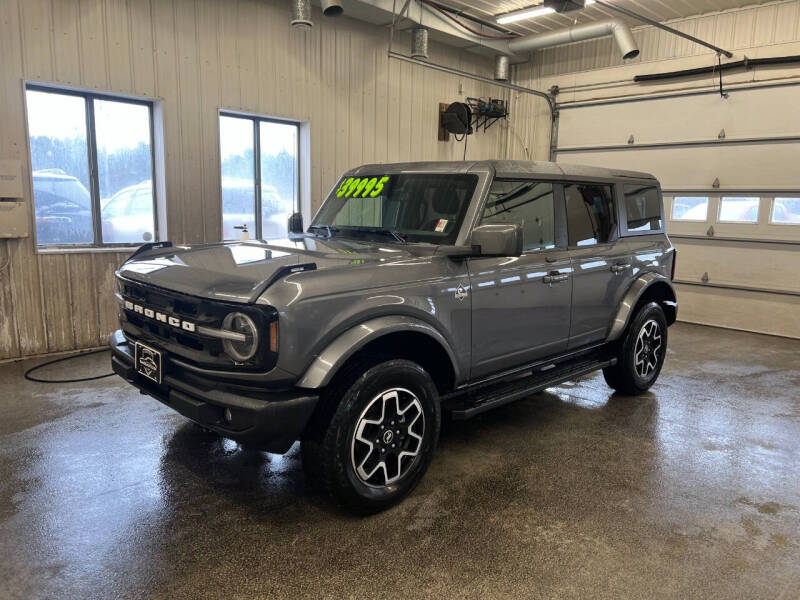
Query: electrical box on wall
[[14, 221]]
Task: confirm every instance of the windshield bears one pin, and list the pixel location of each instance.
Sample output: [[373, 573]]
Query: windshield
[[415, 207]]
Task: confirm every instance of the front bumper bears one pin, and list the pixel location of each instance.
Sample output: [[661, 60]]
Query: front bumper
[[272, 421]]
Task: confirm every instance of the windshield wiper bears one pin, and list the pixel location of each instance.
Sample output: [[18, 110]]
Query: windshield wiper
[[399, 237], [326, 228]]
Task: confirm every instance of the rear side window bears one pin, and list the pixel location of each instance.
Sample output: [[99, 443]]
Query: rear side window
[[642, 207], [590, 213], [529, 203]]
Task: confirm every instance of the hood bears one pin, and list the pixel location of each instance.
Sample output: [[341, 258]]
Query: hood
[[241, 271]]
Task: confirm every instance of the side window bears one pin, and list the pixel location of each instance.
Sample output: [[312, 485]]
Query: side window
[[590, 213], [642, 207], [529, 203]]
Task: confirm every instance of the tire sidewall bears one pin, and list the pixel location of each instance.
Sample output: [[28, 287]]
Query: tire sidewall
[[381, 377], [651, 311]]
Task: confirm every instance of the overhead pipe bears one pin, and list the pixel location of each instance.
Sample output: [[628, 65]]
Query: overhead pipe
[[747, 63], [622, 35], [419, 42], [331, 8], [301, 14], [501, 68], [662, 26]]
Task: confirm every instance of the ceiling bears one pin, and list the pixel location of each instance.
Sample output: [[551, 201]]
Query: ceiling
[[658, 10]]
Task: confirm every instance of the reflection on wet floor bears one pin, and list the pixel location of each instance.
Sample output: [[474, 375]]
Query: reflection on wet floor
[[690, 490]]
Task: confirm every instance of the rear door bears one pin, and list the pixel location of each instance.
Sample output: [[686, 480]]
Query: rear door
[[521, 305], [601, 263]]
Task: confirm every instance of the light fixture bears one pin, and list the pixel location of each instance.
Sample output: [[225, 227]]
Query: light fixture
[[530, 13], [525, 13]]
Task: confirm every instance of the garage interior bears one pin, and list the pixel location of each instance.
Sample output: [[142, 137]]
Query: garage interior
[[690, 490]]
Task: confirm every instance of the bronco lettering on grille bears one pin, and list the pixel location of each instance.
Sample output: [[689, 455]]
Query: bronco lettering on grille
[[160, 317]]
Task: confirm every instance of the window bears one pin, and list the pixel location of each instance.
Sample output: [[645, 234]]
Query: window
[[590, 213], [642, 207], [89, 154], [259, 167], [417, 207], [785, 211], [528, 203], [690, 208], [738, 210]]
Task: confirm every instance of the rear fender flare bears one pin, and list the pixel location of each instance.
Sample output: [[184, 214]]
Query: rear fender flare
[[624, 313]]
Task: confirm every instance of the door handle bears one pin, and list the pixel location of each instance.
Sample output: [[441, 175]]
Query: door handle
[[554, 277], [619, 268]]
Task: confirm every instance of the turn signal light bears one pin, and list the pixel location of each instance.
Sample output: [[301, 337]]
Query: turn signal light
[[273, 337]]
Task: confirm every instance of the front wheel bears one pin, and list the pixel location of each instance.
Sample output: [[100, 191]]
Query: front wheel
[[642, 352], [381, 437]]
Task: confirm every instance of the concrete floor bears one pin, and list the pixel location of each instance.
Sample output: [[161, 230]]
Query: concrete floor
[[692, 490]]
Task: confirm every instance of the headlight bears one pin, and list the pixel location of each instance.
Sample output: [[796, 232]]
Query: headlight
[[240, 351]]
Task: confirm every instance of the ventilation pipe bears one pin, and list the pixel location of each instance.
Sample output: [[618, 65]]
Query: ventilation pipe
[[331, 8], [301, 14], [419, 43], [501, 67], [622, 35]]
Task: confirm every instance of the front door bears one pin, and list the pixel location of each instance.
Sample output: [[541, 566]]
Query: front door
[[600, 261], [521, 305]]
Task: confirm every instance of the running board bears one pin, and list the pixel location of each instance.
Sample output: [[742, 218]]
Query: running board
[[508, 392]]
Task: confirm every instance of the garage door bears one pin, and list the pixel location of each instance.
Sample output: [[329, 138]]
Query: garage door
[[730, 169]]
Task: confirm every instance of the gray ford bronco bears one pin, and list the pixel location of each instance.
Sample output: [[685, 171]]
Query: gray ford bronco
[[419, 290]]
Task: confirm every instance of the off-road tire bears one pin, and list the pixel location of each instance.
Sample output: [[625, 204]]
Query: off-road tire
[[631, 376], [329, 445]]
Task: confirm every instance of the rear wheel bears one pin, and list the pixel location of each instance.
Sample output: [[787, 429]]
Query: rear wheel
[[642, 352], [380, 437]]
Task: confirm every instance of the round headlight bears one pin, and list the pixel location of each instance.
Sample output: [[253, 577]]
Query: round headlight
[[240, 351]]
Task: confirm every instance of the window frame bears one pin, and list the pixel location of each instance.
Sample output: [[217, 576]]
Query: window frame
[[559, 212], [771, 212], [92, 164], [616, 233], [672, 218], [256, 122], [722, 197], [622, 212]]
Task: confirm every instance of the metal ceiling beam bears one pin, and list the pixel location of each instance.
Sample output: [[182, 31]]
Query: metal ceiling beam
[[643, 19]]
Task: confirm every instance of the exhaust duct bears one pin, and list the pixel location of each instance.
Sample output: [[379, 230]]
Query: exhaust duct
[[419, 43], [622, 35], [501, 67], [331, 8], [301, 14]]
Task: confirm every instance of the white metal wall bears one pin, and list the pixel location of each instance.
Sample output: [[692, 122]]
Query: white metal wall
[[195, 57]]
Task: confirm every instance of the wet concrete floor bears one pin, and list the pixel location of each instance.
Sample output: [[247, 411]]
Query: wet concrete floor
[[690, 491]]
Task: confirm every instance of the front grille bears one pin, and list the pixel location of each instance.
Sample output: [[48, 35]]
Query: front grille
[[190, 346]]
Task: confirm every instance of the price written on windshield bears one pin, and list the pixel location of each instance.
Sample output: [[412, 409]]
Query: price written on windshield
[[361, 187]]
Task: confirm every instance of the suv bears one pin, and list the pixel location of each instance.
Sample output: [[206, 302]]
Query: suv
[[419, 290]]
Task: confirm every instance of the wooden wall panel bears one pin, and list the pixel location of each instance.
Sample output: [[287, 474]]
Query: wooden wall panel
[[196, 57], [84, 300]]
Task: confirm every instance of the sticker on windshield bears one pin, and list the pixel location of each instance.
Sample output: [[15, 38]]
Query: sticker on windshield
[[361, 187], [441, 225]]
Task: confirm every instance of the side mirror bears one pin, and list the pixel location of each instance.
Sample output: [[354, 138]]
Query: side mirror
[[296, 223], [498, 239]]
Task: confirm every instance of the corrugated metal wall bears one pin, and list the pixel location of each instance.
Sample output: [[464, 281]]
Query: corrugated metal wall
[[198, 56]]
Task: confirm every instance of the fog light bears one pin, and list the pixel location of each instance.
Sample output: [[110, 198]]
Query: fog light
[[228, 415], [240, 351]]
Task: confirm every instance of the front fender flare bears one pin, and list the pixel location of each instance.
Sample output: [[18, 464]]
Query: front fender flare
[[632, 296], [325, 366]]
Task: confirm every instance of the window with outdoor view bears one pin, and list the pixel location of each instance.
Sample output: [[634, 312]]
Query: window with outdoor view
[[259, 176], [92, 163]]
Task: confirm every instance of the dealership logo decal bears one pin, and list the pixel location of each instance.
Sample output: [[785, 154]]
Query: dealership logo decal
[[160, 317], [461, 293]]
